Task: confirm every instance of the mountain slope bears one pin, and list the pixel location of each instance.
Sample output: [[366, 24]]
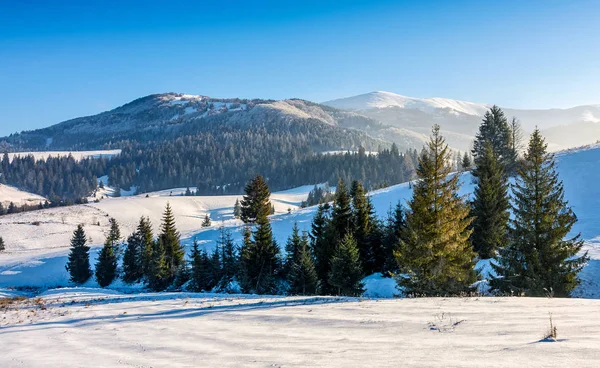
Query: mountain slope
[[564, 128]]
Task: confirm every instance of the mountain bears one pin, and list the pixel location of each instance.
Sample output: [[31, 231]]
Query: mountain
[[171, 115], [459, 120]]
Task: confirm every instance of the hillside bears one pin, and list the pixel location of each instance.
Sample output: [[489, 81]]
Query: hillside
[[460, 120], [168, 116], [36, 254]]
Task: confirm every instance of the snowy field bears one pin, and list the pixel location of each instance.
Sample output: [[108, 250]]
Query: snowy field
[[77, 328], [19, 197]]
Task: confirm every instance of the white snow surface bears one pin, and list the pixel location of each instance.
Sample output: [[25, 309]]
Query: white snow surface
[[80, 327], [19, 197]]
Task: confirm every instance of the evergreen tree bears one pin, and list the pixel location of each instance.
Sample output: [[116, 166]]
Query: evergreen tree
[[158, 271], [303, 274], [292, 248], [490, 206], [260, 259], [173, 251], [394, 231], [132, 259], [322, 247], [206, 222], [2, 246], [341, 217], [256, 201], [363, 221], [496, 130], [114, 234], [106, 266], [78, 263], [144, 230], [435, 252], [346, 273], [539, 259], [237, 209], [200, 275], [229, 257], [466, 162]]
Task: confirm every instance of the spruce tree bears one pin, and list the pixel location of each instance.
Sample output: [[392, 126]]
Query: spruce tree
[[303, 277], [199, 263], [114, 234], [341, 217], [206, 222], [466, 162], [496, 130], [78, 263], [237, 209], [173, 251], [435, 253], [106, 266], [539, 259], [490, 206], [2, 246], [132, 259], [157, 272], [322, 247], [228, 257], [346, 273], [260, 259], [394, 230], [292, 248], [144, 230], [363, 223], [256, 201]]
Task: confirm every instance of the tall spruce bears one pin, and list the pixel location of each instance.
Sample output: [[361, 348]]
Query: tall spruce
[[491, 204], [260, 256], [341, 216], [78, 264], [292, 248], [106, 266], [322, 246], [229, 259], [256, 200], [496, 130], [435, 253], [346, 272], [363, 227], [156, 276], [539, 259], [144, 229], [237, 209], [394, 230], [303, 277], [132, 259], [173, 251], [466, 162]]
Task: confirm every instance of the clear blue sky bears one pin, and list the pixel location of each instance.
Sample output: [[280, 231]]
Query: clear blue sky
[[64, 59]]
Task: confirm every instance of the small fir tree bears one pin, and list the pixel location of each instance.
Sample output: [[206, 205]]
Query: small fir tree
[[173, 251], [466, 162], [132, 259], [206, 222], [157, 272], [256, 201], [2, 246], [539, 258], [106, 266], [237, 209], [303, 277], [78, 264], [346, 273]]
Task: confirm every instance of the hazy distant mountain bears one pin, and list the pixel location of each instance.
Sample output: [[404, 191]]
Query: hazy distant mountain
[[460, 120]]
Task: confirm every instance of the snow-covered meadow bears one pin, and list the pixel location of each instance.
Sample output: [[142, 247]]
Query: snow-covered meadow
[[90, 327]]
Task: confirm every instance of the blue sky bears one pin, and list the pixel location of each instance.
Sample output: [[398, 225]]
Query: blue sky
[[64, 59]]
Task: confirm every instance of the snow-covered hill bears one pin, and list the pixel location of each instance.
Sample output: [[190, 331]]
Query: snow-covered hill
[[19, 197], [37, 242], [563, 128]]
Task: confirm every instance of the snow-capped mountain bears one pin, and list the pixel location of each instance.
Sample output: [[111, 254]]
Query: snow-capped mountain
[[382, 99], [459, 120]]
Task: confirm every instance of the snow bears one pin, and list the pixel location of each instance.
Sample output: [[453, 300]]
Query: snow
[[77, 155], [74, 327], [382, 99], [19, 197]]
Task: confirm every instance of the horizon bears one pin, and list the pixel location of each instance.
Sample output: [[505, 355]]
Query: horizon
[[67, 60]]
